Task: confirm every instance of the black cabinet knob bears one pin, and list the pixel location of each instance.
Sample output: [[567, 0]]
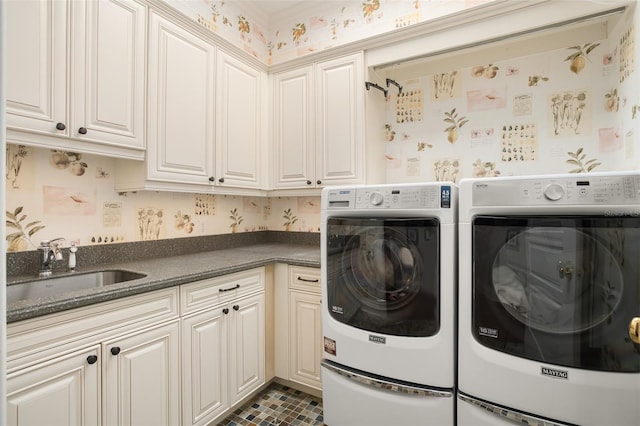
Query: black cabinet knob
[[319, 182], [82, 131], [92, 359], [212, 179], [221, 180], [115, 350], [308, 182], [225, 311], [60, 126], [236, 307]]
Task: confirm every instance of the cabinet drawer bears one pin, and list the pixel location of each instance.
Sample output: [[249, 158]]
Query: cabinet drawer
[[32, 340], [204, 294], [304, 278]]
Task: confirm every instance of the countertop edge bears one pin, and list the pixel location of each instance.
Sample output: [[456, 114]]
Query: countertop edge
[[203, 266]]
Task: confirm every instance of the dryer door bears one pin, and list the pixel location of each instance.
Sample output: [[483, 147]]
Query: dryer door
[[383, 274], [559, 290]]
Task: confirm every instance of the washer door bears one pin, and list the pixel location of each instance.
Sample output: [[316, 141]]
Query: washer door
[[559, 290], [383, 274]]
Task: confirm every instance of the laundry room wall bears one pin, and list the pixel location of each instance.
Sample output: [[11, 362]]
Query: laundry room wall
[[52, 194], [574, 108]]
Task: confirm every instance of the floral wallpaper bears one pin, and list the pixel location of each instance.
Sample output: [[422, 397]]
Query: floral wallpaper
[[569, 110], [326, 24], [52, 194]]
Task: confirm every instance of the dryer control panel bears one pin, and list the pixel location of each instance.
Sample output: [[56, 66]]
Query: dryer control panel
[[391, 197], [561, 190]]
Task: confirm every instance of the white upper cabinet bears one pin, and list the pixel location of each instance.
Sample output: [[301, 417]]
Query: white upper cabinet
[[108, 63], [318, 124], [239, 139], [76, 76], [340, 115], [294, 125], [204, 117], [36, 71], [181, 106]]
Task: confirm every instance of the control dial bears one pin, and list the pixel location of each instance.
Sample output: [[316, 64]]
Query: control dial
[[554, 191], [376, 198]]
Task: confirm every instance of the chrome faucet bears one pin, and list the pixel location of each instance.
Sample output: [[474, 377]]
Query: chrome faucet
[[50, 253]]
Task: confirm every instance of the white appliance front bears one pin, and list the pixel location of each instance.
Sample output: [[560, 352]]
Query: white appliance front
[[358, 400], [549, 297], [388, 287]]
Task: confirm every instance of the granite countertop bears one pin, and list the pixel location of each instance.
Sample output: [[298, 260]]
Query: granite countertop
[[163, 272]]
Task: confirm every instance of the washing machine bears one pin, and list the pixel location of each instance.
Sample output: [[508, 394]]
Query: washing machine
[[549, 300], [388, 304]]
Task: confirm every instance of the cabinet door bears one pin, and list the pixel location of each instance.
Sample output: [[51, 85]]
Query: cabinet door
[[181, 105], [238, 138], [63, 391], [340, 121], [246, 351], [305, 338], [141, 381], [205, 393], [36, 57], [294, 156], [108, 71]]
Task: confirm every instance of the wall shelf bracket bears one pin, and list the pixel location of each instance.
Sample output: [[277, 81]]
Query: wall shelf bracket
[[369, 85]]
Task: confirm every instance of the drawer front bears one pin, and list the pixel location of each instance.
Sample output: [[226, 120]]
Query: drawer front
[[304, 278], [204, 294], [32, 339]]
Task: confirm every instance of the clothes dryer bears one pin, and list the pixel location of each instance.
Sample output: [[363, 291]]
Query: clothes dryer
[[549, 300], [388, 304]]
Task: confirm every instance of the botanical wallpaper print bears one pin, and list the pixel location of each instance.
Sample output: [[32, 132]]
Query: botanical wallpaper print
[[183, 222], [236, 220], [71, 161], [289, 219], [150, 223], [627, 54], [445, 85], [578, 59], [557, 111], [19, 231], [519, 142], [578, 159], [329, 24], [205, 204], [15, 155], [447, 170], [454, 122], [409, 106], [86, 209], [571, 113]]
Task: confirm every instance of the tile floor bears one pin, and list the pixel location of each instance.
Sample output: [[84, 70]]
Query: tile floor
[[278, 405]]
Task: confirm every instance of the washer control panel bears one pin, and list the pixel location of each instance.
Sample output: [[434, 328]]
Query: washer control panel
[[582, 190], [432, 196]]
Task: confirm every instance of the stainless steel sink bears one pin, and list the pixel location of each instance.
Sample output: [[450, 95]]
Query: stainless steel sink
[[55, 286]]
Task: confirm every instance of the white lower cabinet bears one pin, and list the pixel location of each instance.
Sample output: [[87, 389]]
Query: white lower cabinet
[[141, 379], [223, 338], [305, 332], [61, 391], [298, 325], [114, 363]]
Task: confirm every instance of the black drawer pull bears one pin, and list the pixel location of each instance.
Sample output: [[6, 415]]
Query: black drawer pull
[[222, 290], [236, 307], [115, 350], [92, 359], [225, 311], [307, 280]]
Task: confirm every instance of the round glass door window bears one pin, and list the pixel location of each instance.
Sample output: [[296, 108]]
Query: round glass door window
[[385, 268], [557, 280]]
